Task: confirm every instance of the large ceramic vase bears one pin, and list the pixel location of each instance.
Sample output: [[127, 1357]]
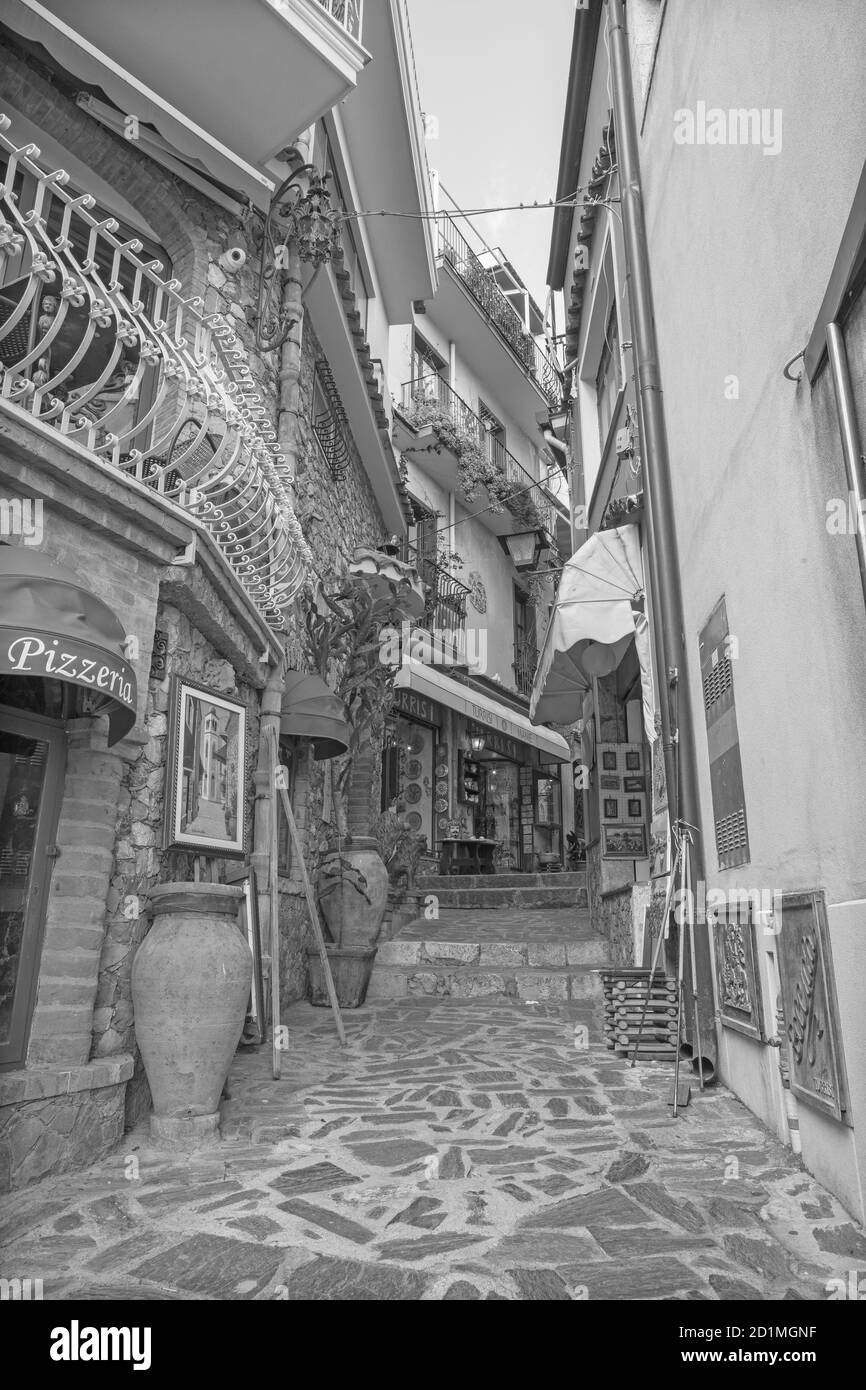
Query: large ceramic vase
[[190, 987], [353, 919]]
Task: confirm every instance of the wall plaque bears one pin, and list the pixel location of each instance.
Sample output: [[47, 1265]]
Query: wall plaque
[[812, 1033], [737, 970]]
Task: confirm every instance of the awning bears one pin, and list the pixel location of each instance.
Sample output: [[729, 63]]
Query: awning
[[483, 709], [592, 624], [52, 626], [312, 711]]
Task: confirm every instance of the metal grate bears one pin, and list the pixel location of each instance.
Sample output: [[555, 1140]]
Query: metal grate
[[731, 835], [717, 682], [331, 426]]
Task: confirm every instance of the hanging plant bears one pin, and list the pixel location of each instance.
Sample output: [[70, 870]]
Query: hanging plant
[[475, 471]]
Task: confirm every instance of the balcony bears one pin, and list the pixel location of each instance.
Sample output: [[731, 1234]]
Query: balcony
[[228, 88], [499, 312], [445, 609], [96, 345], [525, 663], [425, 400]]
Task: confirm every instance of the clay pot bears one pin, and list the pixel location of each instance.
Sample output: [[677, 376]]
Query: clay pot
[[351, 918], [190, 987], [351, 968]]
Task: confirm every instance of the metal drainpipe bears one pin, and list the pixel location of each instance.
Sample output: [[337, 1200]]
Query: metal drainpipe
[[850, 433], [678, 735]]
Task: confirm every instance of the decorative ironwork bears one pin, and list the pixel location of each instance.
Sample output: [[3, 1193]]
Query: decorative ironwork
[[815, 1058], [455, 249], [348, 14], [477, 592], [525, 663], [331, 427], [528, 494], [140, 333], [302, 207], [159, 655]]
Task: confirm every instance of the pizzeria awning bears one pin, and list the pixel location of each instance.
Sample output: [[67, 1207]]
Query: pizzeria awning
[[52, 627], [598, 612], [482, 709]]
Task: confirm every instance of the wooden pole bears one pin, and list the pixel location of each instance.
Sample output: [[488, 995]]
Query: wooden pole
[[274, 893], [310, 895]]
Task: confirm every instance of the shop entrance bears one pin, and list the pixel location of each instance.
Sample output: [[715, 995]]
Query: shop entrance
[[498, 815], [32, 757]]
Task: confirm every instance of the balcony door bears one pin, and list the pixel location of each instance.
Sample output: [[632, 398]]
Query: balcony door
[[525, 642], [32, 758]]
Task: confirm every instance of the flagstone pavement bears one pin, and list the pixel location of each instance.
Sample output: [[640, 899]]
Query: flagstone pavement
[[455, 1150]]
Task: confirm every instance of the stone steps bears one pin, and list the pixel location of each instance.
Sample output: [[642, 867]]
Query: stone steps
[[531, 970], [432, 882], [499, 897]]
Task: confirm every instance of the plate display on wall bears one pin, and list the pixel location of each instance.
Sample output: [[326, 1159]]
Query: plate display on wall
[[441, 769], [414, 821], [441, 805], [416, 743], [442, 823], [442, 788], [413, 793], [414, 768]]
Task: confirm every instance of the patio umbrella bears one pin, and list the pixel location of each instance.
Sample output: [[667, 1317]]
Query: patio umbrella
[[593, 621]]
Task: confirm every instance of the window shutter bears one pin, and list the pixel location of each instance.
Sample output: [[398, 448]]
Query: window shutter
[[723, 742]]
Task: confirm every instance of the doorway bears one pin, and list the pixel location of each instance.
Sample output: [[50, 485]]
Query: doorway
[[32, 761]]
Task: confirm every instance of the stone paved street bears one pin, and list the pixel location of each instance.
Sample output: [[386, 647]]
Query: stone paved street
[[455, 1150]]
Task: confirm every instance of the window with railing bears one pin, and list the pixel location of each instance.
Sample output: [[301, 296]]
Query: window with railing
[[525, 642], [349, 14], [330, 422], [608, 378]]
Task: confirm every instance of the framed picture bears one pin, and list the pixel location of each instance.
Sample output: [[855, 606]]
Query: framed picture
[[623, 841], [608, 760], [660, 845], [635, 806], [737, 970], [206, 772], [611, 808], [608, 783], [633, 784], [632, 760]]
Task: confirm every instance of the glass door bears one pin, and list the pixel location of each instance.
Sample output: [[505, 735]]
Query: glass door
[[32, 756]]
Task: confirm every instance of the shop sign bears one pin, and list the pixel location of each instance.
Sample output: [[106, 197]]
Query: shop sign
[[67, 659], [508, 747], [817, 1070], [417, 706]]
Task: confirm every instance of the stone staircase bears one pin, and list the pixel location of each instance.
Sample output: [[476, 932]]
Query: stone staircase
[[519, 936]]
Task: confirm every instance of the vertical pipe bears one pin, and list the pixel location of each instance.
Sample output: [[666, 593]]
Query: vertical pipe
[[850, 436], [678, 734]]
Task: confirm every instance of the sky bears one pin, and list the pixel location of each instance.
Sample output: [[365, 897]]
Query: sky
[[493, 74]]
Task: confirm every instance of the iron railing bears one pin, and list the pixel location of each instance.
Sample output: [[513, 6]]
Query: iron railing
[[525, 663], [349, 14], [434, 391], [94, 343], [455, 249], [445, 609]]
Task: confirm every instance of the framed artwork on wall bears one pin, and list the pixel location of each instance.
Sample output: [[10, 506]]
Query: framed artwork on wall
[[623, 841], [812, 1029], [737, 969], [205, 772]]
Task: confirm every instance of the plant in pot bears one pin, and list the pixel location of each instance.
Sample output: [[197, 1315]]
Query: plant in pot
[[400, 848], [344, 631]]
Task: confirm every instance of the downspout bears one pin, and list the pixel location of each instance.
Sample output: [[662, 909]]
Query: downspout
[[677, 727], [850, 433]]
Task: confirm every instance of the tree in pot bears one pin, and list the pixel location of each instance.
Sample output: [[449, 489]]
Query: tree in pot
[[344, 632]]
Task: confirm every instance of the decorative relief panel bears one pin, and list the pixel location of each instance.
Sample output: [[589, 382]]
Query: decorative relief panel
[[737, 970], [812, 1032]]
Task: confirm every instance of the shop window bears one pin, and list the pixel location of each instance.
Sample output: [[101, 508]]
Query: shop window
[[15, 278]]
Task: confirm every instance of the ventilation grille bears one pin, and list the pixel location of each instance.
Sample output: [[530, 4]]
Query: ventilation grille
[[732, 840], [717, 682]]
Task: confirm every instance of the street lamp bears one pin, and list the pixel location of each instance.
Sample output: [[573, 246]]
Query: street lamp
[[527, 548], [477, 741]]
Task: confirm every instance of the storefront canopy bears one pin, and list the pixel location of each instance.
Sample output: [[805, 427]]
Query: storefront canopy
[[593, 622], [52, 627], [482, 709], [313, 712]]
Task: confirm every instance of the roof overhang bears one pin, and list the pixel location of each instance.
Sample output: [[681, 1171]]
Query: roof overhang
[[227, 86], [381, 126], [482, 709], [583, 49]]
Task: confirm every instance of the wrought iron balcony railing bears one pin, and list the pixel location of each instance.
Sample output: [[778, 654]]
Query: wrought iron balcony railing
[[525, 663], [455, 249], [349, 14], [94, 343], [433, 391], [446, 597]]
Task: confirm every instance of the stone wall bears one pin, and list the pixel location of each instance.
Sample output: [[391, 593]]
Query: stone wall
[[140, 861]]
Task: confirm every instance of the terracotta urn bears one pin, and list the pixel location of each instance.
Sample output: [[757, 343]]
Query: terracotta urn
[[354, 917], [190, 987]]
